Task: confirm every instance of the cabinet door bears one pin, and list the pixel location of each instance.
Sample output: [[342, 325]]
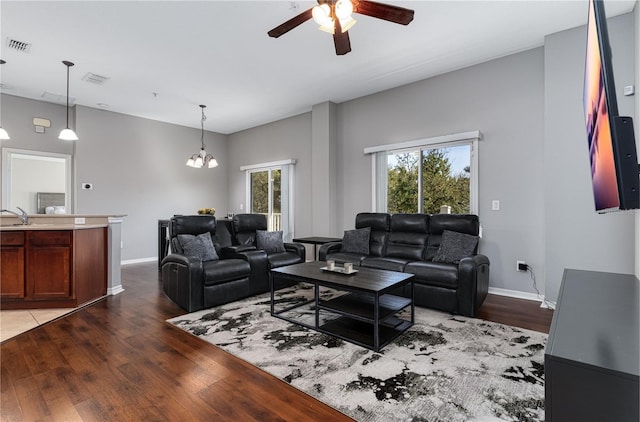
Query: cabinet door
[[49, 265], [12, 272], [12, 265]]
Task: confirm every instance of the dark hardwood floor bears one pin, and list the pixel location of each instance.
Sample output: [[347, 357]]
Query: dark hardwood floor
[[118, 360]]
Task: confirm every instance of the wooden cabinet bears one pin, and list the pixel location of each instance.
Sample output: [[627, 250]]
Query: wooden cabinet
[[12, 265], [53, 268]]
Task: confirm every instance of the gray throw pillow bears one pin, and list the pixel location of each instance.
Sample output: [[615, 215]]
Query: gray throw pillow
[[356, 241], [200, 246], [270, 242], [454, 246]]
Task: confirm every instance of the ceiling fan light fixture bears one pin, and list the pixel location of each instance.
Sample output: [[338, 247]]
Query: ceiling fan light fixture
[[329, 29], [347, 24], [344, 9], [322, 15]]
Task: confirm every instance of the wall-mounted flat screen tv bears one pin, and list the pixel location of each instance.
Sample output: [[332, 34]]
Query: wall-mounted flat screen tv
[[615, 173]]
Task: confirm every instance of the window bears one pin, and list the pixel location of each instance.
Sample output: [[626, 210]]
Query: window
[[270, 192], [431, 176]]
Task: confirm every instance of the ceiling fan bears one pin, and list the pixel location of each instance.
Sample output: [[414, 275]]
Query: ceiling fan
[[334, 16]]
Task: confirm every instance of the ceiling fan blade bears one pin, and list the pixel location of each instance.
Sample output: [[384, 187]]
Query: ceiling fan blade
[[341, 40], [387, 12], [290, 24]]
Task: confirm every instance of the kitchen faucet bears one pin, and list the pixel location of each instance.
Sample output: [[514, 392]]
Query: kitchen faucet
[[23, 216]]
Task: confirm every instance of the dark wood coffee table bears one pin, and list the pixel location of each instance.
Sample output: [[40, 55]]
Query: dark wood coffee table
[[366, 314]]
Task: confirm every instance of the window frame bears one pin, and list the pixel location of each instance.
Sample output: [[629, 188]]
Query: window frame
[[464, 138]]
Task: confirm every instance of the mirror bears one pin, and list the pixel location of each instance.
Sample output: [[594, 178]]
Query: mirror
[[38, 182]]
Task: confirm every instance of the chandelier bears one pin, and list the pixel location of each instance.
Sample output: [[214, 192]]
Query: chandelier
[[202, 159]]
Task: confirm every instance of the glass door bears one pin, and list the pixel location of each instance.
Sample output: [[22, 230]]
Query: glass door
[[266, 196]]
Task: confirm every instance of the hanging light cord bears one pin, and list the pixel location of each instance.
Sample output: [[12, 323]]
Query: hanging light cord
[[67, 95], [202, 127]]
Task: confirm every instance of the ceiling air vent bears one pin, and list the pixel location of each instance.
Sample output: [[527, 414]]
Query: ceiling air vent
[[21, 46], [57, 98], [94, 79]]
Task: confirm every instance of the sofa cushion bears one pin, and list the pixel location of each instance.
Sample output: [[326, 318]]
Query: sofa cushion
[[455, 246], [356, 241], [224, 270], [408, 237], [386, 263], [270, 242], [379, 223], [200, 246], [434, 273], [461, 223]]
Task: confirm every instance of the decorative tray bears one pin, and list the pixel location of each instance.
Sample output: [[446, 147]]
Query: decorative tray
[[339, 270]]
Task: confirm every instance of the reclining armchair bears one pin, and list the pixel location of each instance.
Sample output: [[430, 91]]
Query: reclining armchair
[[250, 233], [198, 274]]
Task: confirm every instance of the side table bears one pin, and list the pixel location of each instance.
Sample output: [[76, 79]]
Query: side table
[[315, 241]]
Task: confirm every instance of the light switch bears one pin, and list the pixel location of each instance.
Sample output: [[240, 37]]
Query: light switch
[[495, 205]]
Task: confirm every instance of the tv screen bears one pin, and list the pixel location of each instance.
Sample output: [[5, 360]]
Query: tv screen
[[612, 149]]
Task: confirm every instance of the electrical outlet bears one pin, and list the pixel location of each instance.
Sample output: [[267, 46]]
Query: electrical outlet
[[521, 266], [79, 220]]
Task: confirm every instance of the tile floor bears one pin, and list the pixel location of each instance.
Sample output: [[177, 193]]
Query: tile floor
[[14, 322]]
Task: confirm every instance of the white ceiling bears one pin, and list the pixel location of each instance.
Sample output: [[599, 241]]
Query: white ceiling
[[218, 53]]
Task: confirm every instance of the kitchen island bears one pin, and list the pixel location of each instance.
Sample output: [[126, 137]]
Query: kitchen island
[[58, 261]]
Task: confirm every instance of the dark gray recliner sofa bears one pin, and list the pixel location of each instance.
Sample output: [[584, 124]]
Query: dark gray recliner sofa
[[408, 243]]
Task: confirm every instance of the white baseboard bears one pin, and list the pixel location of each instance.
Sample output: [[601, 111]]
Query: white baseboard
[[112, 291], [138, 260], [522, 295]]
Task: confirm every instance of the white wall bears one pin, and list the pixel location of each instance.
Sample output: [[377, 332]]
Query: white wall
[[575, 235]]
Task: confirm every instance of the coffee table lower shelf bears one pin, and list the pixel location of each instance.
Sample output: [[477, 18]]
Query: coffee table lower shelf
[[361, 333]]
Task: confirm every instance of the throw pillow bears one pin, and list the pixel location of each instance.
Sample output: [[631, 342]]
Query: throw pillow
[[270, 242], [356, 241], [455, 246], [200, 246]]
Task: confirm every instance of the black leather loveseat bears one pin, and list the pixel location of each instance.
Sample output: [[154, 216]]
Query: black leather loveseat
[[196, 279], [410, 243]]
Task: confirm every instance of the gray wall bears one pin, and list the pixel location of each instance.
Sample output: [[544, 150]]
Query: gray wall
[[281, 140], [636, 12], [137, 167], [575, 235], [503, 99], [17, 119], [532, 158]]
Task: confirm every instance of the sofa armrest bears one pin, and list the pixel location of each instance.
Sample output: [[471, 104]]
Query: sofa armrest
[[259, 263], [296, 248], [183, 282], [237, 248], [328, 248], [473, 284]]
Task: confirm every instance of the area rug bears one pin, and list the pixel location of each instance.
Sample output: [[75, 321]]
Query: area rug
[[444, 368]]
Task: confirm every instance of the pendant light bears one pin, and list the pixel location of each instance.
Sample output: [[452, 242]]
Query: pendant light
[[202, 159], [3, 133], [67, 134]]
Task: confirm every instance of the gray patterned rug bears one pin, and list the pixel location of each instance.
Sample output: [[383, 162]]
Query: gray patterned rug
[[445, 368]]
